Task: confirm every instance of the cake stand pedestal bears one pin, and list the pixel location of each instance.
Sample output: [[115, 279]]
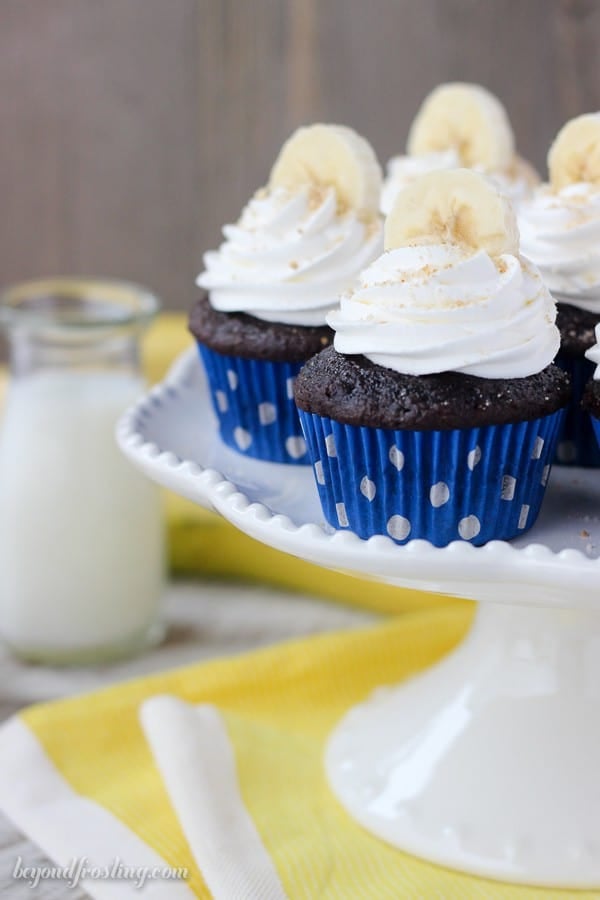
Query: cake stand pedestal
[[489, 762]]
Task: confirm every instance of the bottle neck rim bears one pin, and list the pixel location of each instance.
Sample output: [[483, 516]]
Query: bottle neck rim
[[76, 312]]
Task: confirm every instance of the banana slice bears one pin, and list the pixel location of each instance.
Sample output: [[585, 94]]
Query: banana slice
[[457, 206], [468, 119], [326, 156], [575, 154]]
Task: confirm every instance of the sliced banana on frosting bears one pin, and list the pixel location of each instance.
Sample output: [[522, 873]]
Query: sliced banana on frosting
[[323, 156], [468, 119], [575, 154], [458, 207]]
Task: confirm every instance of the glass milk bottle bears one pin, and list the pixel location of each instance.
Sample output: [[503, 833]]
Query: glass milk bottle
[[81, 536]]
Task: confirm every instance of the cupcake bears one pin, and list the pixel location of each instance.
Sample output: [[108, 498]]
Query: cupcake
[[300, 242], [461, 125], [591, 395], [560, 233], [436, 412]]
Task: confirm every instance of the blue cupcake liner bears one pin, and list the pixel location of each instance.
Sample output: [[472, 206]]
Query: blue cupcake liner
[[596, 428], [254, 403], [577, 445], [474, 484]]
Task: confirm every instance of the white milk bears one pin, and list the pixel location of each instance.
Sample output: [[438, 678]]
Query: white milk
[[81, 542]]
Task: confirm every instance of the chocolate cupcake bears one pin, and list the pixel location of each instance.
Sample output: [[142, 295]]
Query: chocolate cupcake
[[560, 232], [436, 413], [299, 243]]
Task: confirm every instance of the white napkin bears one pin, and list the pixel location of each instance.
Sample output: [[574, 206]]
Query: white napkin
[[194, 756]]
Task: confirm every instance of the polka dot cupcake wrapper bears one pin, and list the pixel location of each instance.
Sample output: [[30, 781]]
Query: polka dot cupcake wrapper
[[254, 403], [596, 428], [476, 484], [577, 445]]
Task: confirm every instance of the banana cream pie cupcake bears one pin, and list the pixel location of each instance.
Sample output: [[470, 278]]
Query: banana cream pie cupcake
[[560, 232], [461, 125], [300, 242], [436, 412]]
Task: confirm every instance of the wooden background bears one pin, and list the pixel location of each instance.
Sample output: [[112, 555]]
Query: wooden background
[[130, 130]]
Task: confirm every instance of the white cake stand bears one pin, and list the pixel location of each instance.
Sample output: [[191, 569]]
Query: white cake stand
[[490, 761]]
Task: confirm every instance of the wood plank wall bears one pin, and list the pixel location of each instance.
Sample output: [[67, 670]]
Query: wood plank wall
[[130, 130]]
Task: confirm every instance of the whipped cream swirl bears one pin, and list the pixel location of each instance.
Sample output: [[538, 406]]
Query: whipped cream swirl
[[560, 232], [436, 308], [593, 354], [401, 170], [289, 257]]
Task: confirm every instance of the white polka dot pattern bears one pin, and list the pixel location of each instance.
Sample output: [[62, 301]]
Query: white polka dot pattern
[[398, 527], [295, 446], [330, 445], [474, 457], [537, 448], [523, 515], [222, 401], [396, 457], [267, 413], [254, 404], [368, 488], [508, 487], [342, 516], [242, 438], [469, 527], [475, 486], [439, 494]]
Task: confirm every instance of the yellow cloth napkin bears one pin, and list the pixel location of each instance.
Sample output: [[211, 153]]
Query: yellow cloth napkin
[[279, 705], [203, 543]]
